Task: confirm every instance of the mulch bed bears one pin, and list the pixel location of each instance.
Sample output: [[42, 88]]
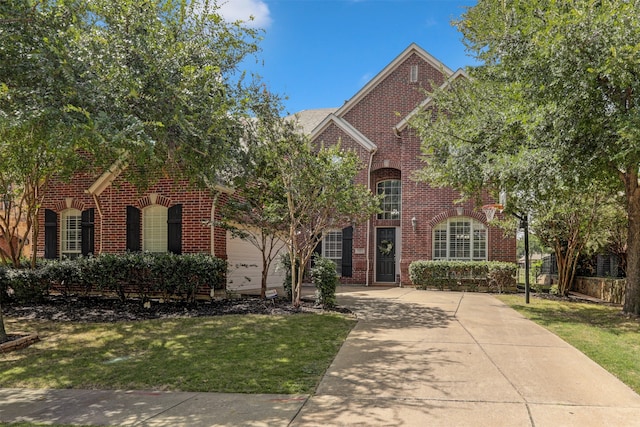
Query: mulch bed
[[110, 310]]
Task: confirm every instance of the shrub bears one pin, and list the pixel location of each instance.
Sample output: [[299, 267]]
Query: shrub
[[28, 285], [108, 274], [501, 275], [65, 276], [4, 283], [323, 274], [453, 274], [142, 274], [188, 273]]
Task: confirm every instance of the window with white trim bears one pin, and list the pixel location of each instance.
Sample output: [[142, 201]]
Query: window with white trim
[[460, 239], [154, 229], [332, 248], [71, 233], [391, 190]]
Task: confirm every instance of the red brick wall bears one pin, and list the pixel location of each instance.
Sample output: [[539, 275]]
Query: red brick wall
[[110, 218], [397, 157]]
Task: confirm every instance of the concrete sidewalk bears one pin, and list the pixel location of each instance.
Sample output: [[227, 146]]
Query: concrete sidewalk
[[415, 358]]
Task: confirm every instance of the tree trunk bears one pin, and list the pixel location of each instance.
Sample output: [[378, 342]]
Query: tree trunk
[[265, 266], [632, 290], [3, 332], [294, 278], [34, 240]]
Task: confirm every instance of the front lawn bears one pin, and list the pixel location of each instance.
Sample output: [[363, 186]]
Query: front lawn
[[235, 354], [601, 332]]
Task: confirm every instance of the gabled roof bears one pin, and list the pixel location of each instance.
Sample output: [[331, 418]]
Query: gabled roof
[[412, 49], [105, 180], [307, 120], [424, 104], [346, 128]]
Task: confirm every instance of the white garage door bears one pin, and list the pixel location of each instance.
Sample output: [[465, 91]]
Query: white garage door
[[245, 267]]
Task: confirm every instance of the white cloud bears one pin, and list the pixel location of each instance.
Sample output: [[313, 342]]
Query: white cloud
[[233, 10]]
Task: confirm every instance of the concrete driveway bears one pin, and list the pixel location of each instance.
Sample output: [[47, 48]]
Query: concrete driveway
[[422, 358]]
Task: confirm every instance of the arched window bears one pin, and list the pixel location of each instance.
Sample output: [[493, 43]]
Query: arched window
[[391, 190], [154, 228], [71, 233], [460, 239]]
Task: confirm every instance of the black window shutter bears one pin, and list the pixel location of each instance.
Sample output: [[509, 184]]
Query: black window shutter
[[317, 250], [133, 229], [174, 228], [50, 234], [87, 232], [347, 249]]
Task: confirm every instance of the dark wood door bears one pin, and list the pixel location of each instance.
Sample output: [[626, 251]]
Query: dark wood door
[[386, 255]]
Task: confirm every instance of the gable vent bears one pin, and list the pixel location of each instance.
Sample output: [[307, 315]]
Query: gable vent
[[413, 74]]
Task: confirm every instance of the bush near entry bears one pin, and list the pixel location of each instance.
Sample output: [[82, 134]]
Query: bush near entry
[[492, 275], [323, 274]]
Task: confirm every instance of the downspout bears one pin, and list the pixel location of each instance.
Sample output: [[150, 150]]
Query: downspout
[[213, 222], [96, 201], [372, 153]]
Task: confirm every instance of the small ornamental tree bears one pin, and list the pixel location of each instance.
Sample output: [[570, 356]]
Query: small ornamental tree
[[256, 212], [319, 193]]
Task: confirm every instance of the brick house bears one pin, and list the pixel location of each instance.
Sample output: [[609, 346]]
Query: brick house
[[418, 222], [103, 213]]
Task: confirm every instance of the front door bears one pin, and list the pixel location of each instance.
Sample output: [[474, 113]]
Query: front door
[[386, 255]]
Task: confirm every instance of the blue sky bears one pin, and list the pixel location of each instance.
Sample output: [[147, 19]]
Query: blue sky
[[319, 53]]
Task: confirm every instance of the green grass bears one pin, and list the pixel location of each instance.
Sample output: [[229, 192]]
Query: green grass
[[601, 332], [239, 354]]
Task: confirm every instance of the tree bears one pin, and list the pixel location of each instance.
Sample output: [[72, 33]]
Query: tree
[[155, 82], [257, 210], [535, 245], [170, 93], [39, 127], [570, 227], [561, 82], [320, 194]]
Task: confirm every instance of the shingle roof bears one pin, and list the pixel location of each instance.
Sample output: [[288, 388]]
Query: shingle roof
[[308, 120]]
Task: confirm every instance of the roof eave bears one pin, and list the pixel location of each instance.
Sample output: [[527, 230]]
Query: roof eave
[[346, 127], [397, 129]]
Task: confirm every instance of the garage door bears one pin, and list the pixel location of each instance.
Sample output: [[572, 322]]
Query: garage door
[[245, 267]]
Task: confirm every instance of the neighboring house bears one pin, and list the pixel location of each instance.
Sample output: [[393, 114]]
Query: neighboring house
[[95, 214], [5, 248], [417, 222]]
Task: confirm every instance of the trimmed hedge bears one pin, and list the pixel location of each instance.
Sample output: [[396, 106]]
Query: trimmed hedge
[[470, 275], [143, 275]]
